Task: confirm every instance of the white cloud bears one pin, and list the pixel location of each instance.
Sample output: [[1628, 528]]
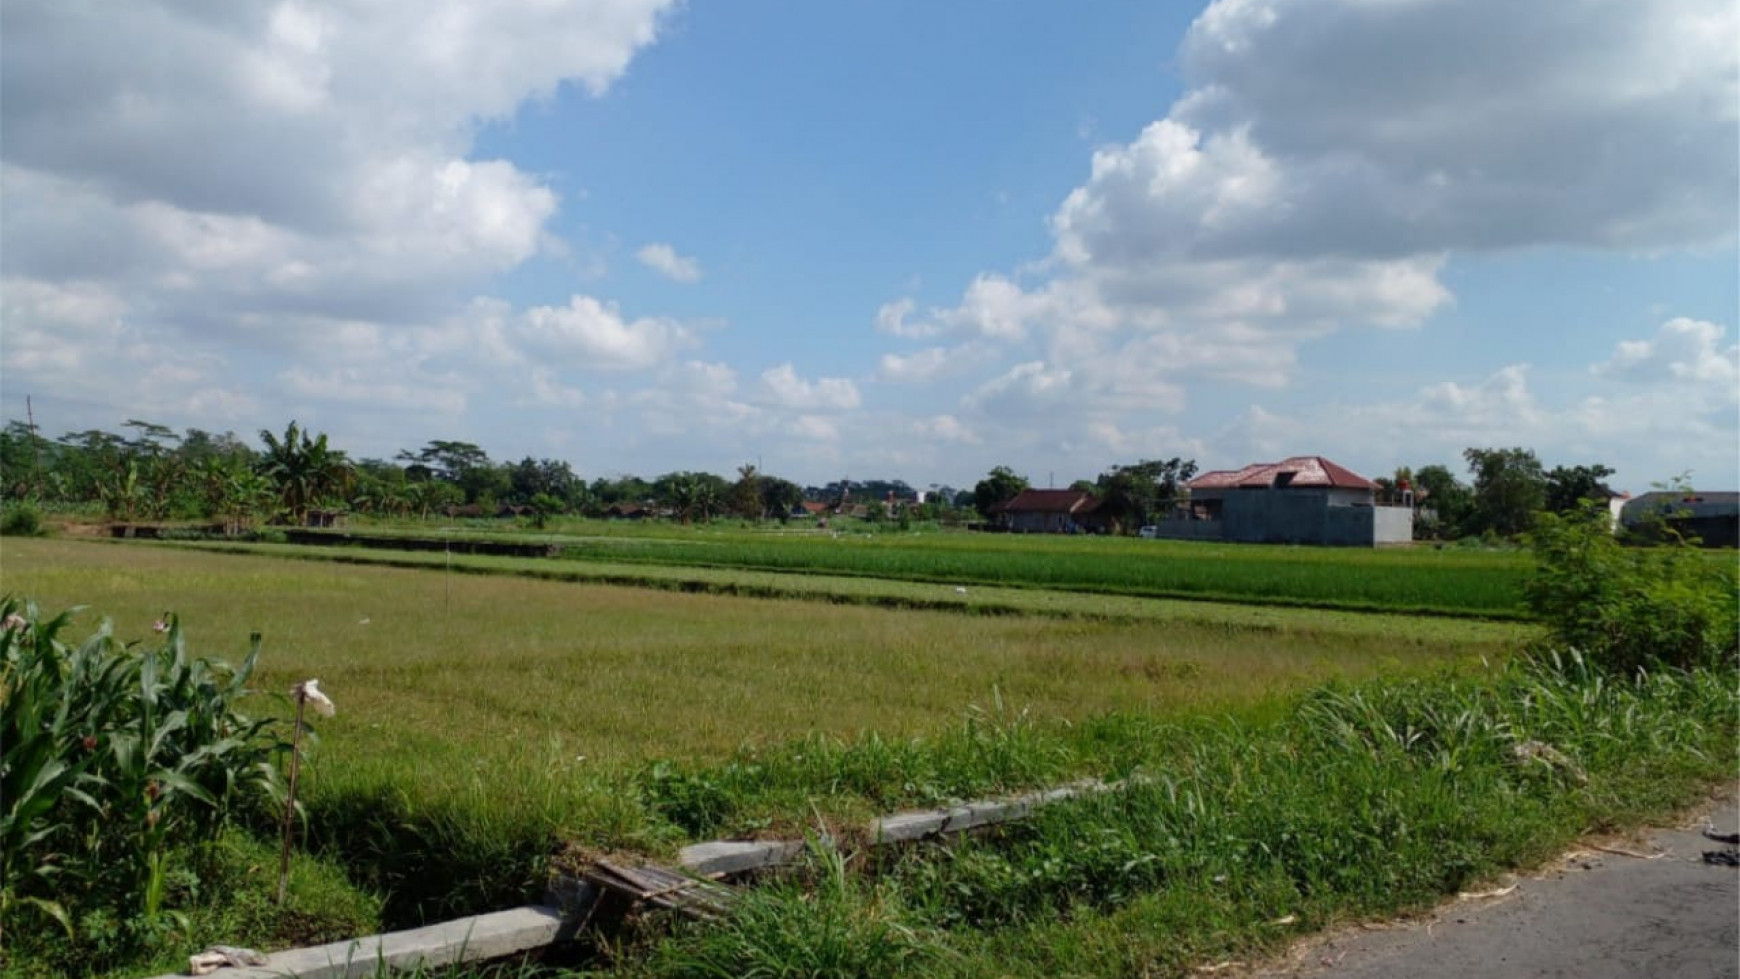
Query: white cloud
[[591, 335], [243, 178], [1682, 350], [934, 363], [782, 386], [1668, 407], [815, 428], [360, 386], [664, 259], [944, 428], [549, 392], [1326, 160]]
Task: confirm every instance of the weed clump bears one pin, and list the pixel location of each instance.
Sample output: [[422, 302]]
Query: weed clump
[[1630, 608]]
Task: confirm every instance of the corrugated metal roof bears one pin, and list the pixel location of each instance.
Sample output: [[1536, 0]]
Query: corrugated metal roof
[[1304, 472]]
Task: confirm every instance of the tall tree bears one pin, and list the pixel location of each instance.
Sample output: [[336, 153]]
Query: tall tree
[[550, 477], [997, 488], [1445, 503], [1132, 495], [1510, 487], [780, 496], [1568, 486], [745, 498], [691, 495], [303, 470]]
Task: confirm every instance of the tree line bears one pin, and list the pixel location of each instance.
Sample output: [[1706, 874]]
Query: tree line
[[148, 471]]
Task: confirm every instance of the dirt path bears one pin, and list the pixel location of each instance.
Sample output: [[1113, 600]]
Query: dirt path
[[1593, 914]]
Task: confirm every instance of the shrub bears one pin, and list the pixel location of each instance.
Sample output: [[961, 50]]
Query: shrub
[[114, 756], [21, 520], [1628, 608]]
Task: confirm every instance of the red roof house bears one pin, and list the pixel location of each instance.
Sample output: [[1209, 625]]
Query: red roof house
[[1050, 512]]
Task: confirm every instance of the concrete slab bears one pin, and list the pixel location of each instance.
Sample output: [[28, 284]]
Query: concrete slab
[[736, 856], [483, 936]]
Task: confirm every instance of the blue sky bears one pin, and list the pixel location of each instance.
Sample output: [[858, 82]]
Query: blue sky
[[892, 240]]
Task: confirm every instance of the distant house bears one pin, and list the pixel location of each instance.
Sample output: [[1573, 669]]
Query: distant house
[[1050, 512], [323, 518], [1300, 500], [629, 511], [1713, 518]]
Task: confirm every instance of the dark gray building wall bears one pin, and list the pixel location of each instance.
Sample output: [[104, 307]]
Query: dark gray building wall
[[1313, 516], [1188, 530]]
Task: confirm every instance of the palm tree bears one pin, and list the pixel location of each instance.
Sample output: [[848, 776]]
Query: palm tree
[[303, 470]]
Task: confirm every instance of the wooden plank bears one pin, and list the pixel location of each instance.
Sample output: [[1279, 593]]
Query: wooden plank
[[663, 888]]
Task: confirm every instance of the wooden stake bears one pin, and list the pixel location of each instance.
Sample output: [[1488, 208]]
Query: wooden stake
[[290, 800]]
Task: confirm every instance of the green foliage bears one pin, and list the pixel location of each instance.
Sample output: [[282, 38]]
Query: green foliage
[[304, 471], [1570, 486], [544, 506], [996, 489], [692, 496], [1445, 504], [1360, 800], [114, 756], [1630, 608], [21, 519], [1510, 487], [1136, 494], [839, 927]]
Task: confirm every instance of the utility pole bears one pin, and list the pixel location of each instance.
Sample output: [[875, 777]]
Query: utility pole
[[35, 455]]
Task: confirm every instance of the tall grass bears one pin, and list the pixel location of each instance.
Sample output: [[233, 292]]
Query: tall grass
[[1364, 800]]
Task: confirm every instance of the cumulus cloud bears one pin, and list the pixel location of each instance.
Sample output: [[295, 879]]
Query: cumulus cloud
[[1682, 350], [944, 428], [934, 363], [1669, 403], [243, 181], [664, 259], [549, 392], [1326, 160], [782, 386], [593, 335]]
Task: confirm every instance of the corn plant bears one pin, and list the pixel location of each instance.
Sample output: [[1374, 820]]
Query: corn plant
[[116, 754]]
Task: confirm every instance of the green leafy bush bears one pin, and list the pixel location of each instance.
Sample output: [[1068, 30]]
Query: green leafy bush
[[21, 520], [114, 756], [1624, 607]]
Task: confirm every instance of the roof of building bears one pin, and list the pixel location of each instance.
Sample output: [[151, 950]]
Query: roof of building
[[1682, 503], [1051, 501], [1299, 472]]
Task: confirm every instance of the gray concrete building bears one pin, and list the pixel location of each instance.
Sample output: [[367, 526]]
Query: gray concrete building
[[1712, 518], [1300, 500]]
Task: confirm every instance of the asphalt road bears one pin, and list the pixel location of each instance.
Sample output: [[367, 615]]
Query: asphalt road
[[1590, 915]]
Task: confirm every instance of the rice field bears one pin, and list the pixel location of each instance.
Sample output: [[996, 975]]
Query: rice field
[[1426, 579], [523, 671]]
